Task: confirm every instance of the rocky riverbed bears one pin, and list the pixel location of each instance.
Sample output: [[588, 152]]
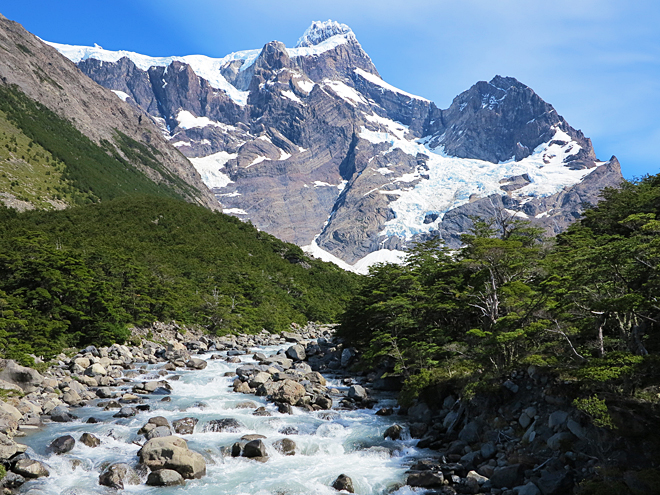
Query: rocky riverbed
[[266, 414], [247, 414]]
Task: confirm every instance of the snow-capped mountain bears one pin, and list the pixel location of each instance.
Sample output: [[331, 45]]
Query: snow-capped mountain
[[310, 144]]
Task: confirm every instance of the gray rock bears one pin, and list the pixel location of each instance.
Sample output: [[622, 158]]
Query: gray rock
[[27, 379], [12, 481], [343, 483], [172, 453], [165, 477], [488, 450], [470, 433], [158, 431], [511, 386], [506, 476], [226, 425], [393, 432], [255, 448], [528, 489], [555, 483], [118, 476], [357, 392], [285, 446], [296, 352], [185, 426], [196, 363], [31, 469], [561, 440], [90, 440], [347, 356], [557, 418], [61, 415], [425, 479], [62, 445], [126, 412]]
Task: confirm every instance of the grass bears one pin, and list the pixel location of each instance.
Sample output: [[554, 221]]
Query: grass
[[28, 172]]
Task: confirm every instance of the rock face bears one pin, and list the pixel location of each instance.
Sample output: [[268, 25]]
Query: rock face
[[311, 145], [172, 453], [44, 75]]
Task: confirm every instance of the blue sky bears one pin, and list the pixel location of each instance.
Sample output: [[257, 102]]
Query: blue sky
[[596, 61]]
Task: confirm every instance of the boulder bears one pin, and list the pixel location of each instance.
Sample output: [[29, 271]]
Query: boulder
[[470, 433], [347, 356], [165, 477], [561, 440], [393, 432], [255, 448], [31, 469], [555, 483], [11, 411], [557, 418], [126, 412], [12, 481], [259, 379], [506, 476], [196, 363], [425, 479], [90, 440], [62, 445], [158, 431], [285, 446], [172, 453], [8, 447], [343, 483], [185, 426], [357, 392], [61, 414], [528, 489], [296, 352], [96, 369], [226, 425], [289, 392], [27, 379], [119, 475]]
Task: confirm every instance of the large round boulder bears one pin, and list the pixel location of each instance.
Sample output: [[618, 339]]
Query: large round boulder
[[172, 453]]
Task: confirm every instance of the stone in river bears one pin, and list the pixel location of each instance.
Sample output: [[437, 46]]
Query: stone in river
[[343, 483], [62, 445], [90, 440], [118, 475], [185, 426], [165, 477]]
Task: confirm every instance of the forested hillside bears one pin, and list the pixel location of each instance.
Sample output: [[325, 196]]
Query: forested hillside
[[82, 275], [584, 304]]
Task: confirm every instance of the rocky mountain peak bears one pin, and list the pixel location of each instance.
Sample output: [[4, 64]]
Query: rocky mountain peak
[[273, 56], [319, 31]]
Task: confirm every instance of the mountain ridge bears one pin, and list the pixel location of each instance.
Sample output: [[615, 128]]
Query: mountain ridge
[[325, 153]]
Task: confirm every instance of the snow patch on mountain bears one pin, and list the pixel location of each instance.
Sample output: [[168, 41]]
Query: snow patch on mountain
[[379, 82], [320, 31], [450, 182], [187, 120], [121, 94], [345, 92], [362, 265], [209, 167]]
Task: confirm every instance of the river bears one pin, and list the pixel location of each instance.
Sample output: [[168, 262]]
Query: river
[[328, 444]]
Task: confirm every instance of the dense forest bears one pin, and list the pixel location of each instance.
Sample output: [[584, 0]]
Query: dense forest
[[584, 304], [83, 275]]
